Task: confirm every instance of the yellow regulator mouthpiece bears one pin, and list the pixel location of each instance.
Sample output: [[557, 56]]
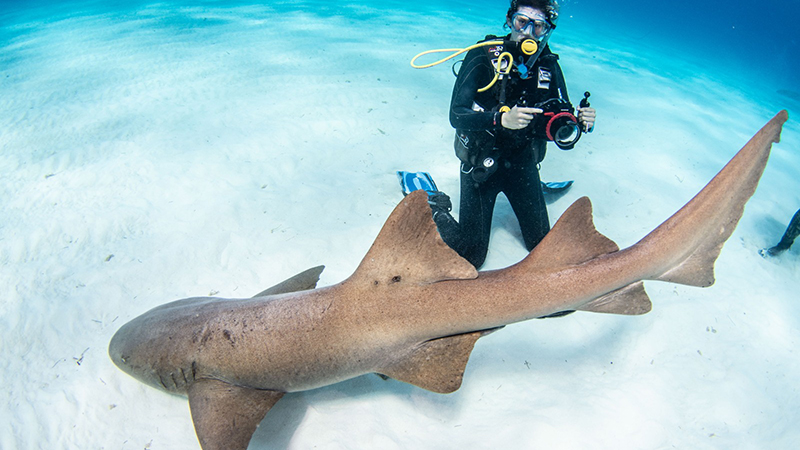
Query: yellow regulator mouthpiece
[[505, 109], [529, 47]]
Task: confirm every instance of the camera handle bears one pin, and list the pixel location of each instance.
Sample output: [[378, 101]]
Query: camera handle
[[585, 104], [585, 101]]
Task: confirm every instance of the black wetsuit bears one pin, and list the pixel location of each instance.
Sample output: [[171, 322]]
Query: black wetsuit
[[516, 153], [792, 231]]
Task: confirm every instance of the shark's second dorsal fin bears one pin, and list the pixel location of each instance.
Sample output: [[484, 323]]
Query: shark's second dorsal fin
[[573, 239], [409, 249], [437, 365], [226, 416]]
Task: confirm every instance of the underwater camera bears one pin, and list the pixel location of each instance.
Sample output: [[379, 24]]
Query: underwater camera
[[558, 122]]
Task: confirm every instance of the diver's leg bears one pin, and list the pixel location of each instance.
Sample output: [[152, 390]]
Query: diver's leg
[[475, 216], [792, 231], [789, 236], [469, 237], [524, 191], [448, 228], [525, 194]]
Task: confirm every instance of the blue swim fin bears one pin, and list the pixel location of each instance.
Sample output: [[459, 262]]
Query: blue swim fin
[[556, 187], [414, 181]]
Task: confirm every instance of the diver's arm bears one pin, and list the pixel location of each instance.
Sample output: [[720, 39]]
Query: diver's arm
[[465, 118], [519, 117], [476, 72]]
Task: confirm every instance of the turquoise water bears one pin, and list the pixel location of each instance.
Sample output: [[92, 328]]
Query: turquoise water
[[156, 150], [758, 39]]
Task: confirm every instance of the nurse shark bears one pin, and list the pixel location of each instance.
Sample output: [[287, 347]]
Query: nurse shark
[[413, 309]]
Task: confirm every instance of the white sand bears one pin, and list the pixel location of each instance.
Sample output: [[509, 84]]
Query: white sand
[[163, 152]]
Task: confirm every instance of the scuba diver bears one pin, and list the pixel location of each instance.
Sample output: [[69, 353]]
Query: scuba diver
[[502, 132], [792, 231]]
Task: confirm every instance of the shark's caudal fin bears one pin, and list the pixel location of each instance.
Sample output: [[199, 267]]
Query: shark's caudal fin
[[410, 250], [681, 250], [226, 416], [704, 224]]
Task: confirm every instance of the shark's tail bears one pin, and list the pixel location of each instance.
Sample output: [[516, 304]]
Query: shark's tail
[[702, 226], [682, 250]]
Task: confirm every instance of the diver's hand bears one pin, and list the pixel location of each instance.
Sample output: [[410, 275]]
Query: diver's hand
[[519, 117], [587, 116]]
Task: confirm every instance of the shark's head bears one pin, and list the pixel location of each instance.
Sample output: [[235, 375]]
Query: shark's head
[[126, 350], [142, 355]]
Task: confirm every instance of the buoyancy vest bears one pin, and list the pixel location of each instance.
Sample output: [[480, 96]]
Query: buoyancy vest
[[541, 82]]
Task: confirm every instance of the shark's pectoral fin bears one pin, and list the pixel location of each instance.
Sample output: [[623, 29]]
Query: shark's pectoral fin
[[631, 300], [409, 250], [226, 416], [437, 365], [303, 281]]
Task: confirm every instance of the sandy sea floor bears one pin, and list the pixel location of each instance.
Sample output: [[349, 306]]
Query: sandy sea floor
[[164, 151]]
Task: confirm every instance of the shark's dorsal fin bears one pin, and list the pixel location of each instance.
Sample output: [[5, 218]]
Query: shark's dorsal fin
[[409, 249], [631, 300], [437, 365], [303, 281], [226, 416], [573, 239]]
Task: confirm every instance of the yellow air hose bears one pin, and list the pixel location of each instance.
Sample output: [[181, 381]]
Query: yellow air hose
[[529, 47], [499, 70], [456, 52]]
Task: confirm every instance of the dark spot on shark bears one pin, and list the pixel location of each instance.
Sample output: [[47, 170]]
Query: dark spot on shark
[[229, 337], [397, 279], [206, 337]]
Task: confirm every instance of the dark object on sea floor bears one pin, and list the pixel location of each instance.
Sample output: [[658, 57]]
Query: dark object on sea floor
[[792, 231]]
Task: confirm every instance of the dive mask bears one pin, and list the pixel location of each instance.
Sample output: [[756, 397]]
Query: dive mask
[[536, 27]]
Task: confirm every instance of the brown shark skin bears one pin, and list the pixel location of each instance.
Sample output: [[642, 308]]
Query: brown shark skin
[[411, 293]]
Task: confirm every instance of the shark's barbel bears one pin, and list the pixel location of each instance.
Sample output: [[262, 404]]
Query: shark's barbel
[[413, 309]]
